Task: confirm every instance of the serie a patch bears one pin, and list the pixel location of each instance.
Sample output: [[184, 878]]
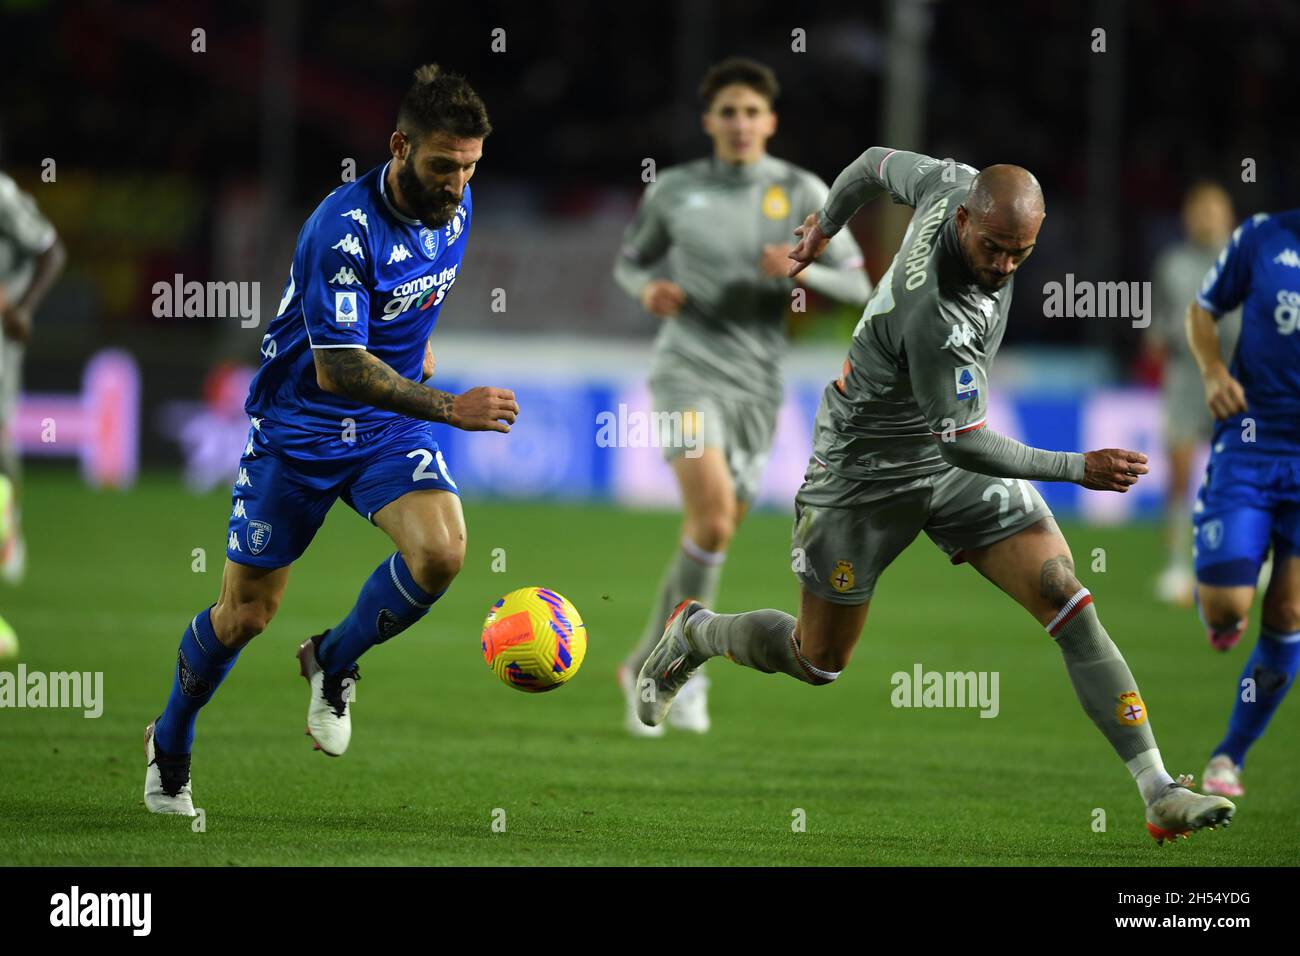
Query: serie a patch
[[967, 383]]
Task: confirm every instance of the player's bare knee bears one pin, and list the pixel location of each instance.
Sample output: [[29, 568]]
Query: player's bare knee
[[1282, 613], [239, 622], [434, 567], [714, 531], [1056, 582]]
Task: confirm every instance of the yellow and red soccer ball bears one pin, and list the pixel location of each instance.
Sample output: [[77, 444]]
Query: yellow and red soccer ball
[[534, 639]]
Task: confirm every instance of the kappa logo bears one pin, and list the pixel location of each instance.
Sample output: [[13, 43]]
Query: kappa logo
[[233, 543], [961, 335], [345, 308], [243, 479], [1288, 257], [400, 253], [1130, 710], [258, 534], [344, 276], [967, 383], [239, 509], [356, 215], [351, 245]]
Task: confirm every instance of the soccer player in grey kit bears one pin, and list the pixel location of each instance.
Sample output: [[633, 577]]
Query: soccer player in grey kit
[[722, 224], [901, 445]]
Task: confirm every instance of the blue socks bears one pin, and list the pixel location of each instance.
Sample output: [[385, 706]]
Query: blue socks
[[389, 603], [201, 665], [1272, 666]]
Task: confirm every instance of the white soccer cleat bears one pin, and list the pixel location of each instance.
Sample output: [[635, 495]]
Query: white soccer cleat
[[1179, 811], [627, 683], [1222, 777], [329, 720], [166, 780], [669, 666], [691, 709], [1175, 586]]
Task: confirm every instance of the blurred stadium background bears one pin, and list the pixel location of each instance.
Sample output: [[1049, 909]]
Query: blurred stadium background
[[205, 164]]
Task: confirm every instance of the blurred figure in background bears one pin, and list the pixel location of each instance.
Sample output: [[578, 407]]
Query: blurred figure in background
[[1177, 274], [31, 258], [724, 225]]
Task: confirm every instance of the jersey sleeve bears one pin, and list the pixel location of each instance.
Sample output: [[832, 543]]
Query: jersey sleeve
[[21, 220], [906, 176], [337, 275], [1227, 283], [645, 242], [948, 370]]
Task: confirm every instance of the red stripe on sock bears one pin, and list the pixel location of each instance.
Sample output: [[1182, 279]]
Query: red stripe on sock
[[1087, 599]]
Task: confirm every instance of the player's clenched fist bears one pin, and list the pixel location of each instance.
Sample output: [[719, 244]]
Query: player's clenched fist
[[484, 409], [662, 297], [812, 242], [1112, 469], [1223, 393]]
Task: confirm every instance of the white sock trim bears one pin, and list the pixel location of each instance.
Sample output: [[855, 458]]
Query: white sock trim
[[1149, 773], [693, 550], [1070, 605], [810, 667], [1278, 636]]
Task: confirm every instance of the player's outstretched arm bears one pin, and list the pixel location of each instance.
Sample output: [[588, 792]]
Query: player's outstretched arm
[[358, 375]]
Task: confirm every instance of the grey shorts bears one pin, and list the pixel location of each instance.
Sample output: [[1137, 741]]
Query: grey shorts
[[741, 428], [1186, 418], [847, 532]]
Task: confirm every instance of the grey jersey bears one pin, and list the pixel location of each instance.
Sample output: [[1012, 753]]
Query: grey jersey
[[710, 221], [1176, 278], [917, 370], [24, 235]]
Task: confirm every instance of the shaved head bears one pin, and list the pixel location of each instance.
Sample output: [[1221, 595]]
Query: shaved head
[[997, 225], [1007, 192]]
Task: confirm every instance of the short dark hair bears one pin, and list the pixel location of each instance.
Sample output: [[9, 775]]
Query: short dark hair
[[738, 69], [442, 101]]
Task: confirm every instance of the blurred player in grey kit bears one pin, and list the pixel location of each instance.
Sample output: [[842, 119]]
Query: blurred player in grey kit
[[31, 258], [718, 230], [1177, 275]]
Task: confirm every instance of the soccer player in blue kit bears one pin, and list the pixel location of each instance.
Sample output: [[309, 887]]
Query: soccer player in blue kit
[[1250, 499], [338, 409]]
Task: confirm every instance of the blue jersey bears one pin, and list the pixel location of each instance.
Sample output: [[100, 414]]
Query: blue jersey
[[1260, 271], [364, 276]]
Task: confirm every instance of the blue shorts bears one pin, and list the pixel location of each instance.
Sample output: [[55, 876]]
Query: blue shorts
[[1243, 506], [279, 501]]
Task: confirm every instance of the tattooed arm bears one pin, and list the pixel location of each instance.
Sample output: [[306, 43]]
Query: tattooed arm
[[356, 374]]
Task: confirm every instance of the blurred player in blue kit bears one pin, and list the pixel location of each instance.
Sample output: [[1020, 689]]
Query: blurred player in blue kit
[[338, 410], [1250, 500]]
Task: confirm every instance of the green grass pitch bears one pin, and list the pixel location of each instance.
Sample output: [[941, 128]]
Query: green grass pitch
[[439, 744]]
